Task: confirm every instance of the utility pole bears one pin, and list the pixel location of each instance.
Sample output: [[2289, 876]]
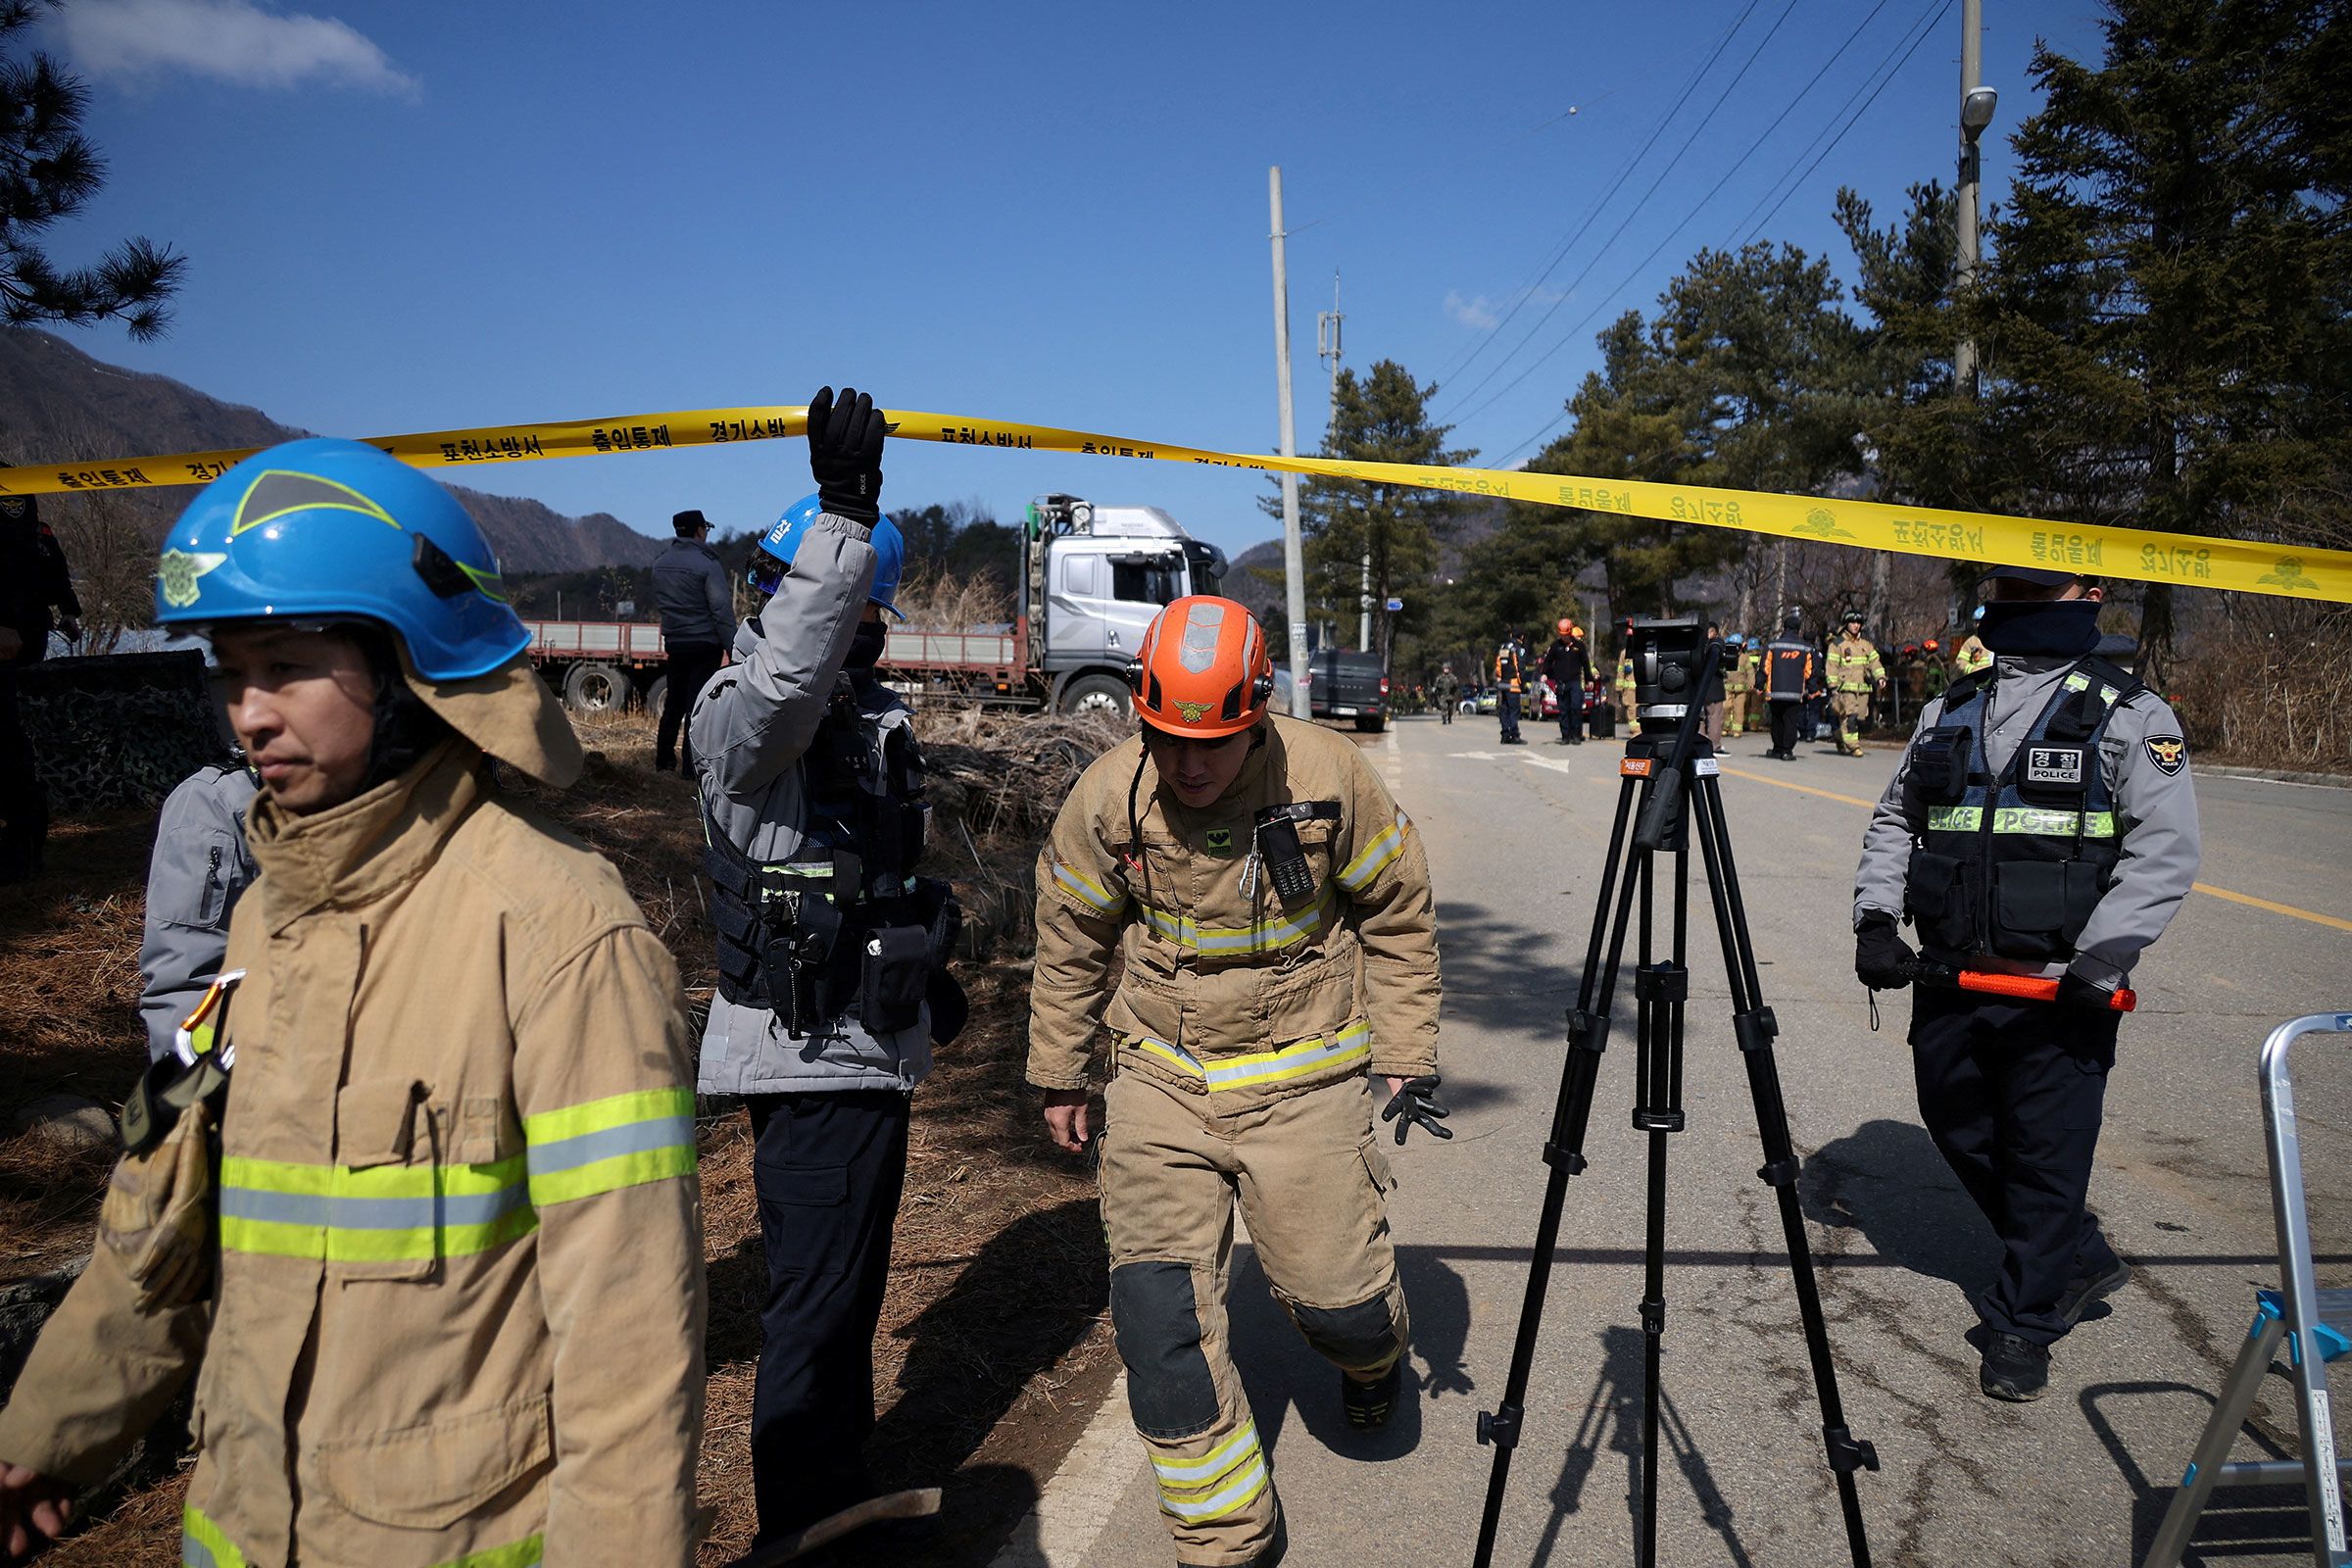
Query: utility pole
[[1976, 113], [1293, 557], [1327, 349]]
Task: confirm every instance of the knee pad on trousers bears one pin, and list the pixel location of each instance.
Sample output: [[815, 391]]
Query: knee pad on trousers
[[1169, 1389], [1358, 1338]]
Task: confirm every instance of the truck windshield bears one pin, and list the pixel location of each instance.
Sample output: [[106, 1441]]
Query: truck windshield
[[1146, 582]]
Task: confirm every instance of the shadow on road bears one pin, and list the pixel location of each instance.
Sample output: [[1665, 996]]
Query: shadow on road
[[1280, 1373], [2237, 1522], [1886, 1180], [1612, 1422]]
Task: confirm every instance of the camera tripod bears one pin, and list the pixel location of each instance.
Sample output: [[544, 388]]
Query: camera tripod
[[1671, 776]]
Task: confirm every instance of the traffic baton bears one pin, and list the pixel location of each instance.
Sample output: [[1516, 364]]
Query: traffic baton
[[2023, 986]]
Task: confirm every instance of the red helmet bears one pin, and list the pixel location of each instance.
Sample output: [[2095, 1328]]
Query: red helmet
[[1930, 645], [1203, 669]]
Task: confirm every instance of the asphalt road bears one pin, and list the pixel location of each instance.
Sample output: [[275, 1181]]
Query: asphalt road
[[1516, 838]]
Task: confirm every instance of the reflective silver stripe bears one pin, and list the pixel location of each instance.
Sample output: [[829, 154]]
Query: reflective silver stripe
[[1246, 1485], [631, 1137], [1293, 1061], [194, 1553], [370, 1214], [1219, 1460], [1376, 855], [1087, 892], [1185, 934]]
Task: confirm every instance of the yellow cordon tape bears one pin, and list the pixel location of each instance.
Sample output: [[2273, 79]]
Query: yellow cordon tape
[[2193, 559]]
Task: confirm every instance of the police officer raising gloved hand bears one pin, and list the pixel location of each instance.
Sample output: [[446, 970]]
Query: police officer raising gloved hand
[[832, 980]]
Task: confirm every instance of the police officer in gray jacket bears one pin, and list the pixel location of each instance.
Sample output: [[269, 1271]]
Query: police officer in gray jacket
[[2041, 824], [831, 954], [698, 623], [199, 867]]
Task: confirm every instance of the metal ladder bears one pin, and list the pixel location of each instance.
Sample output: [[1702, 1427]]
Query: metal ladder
[[2317, 1325]]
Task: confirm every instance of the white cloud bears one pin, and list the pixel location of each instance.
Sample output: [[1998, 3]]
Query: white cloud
[[232, 40], [1470, 313], [1485, 315]]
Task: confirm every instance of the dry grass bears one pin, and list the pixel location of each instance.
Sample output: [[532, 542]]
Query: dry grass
[[993, 1348]]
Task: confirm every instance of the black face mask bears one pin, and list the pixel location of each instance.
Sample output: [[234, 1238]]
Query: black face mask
[[865, 649], [2053, 628]]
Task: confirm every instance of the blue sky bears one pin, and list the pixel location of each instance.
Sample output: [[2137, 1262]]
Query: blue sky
[[418, 216]]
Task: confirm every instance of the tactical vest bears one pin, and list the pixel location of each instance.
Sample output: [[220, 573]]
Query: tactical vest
[[1784, 672], [845, 925], [2013, 865]]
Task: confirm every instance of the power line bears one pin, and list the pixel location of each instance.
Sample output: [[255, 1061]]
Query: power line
[[1885, 76], [1578, 231], [1925, 27], [1633, 212]]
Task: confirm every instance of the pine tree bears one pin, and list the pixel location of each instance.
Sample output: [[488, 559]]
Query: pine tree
[[1382, 416], [2164, 322], [48, 171]]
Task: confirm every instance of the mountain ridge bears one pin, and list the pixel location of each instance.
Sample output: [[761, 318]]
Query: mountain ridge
[[59, 403]]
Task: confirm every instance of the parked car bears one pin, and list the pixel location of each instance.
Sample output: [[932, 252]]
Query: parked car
[[1349, 685]]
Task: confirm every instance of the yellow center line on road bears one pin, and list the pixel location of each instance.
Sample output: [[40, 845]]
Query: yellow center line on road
[[2313, 916]]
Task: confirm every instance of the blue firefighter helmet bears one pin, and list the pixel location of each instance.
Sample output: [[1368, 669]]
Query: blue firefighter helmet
[[321, 529], [781, 543]]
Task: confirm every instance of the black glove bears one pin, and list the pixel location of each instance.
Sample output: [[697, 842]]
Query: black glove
[[845, 454], [2076, 992], [1416, 1104], [1883, 961]]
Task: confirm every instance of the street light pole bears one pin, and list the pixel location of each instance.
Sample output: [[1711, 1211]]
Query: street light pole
[[1294, 556], [1976, 113]]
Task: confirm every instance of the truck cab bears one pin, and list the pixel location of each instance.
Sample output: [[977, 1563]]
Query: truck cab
[[1098, 575]]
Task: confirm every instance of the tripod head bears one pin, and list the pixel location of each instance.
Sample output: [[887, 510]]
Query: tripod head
[[1674, 663]]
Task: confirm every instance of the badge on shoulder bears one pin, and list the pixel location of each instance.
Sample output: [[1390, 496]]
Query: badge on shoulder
[[2170, 753]]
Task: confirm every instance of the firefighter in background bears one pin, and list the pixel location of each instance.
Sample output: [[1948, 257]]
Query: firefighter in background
[[1514, 674], [1855, 674], [1787, 680], [1267, 908], [2044, 823], [1931, 659], [1737, 682], [1973, 654], [1625, 686]]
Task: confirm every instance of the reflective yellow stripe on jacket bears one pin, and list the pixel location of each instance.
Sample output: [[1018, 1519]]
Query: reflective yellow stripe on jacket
[[1226, 1478], [1187, 933], [1086, 891], [1352, 1044], [203, 1545], [1374, 856], [395, 1212], [2019, 820]]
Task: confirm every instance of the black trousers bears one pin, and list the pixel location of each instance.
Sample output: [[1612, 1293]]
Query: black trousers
[[1572, 711], [690, 669], [1507, 706], [2012, 1094], [24, 803], [829, 1169], [1785, 719]]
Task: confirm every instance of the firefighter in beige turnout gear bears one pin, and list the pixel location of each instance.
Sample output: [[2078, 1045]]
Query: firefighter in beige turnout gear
[[1271, 911]]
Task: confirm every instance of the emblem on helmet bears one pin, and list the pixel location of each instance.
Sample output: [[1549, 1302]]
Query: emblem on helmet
[[1191, 713], [178, 570]]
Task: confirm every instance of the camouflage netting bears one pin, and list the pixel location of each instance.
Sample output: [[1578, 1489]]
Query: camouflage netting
[[120, 730]]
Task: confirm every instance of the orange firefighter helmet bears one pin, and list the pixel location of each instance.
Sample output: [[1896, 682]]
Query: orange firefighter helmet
[[1203, 669]]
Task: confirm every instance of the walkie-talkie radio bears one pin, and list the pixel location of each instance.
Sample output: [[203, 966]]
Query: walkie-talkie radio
[[1276, 842]]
